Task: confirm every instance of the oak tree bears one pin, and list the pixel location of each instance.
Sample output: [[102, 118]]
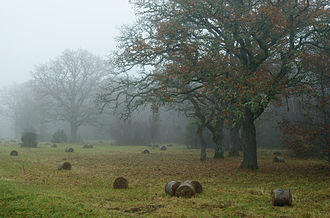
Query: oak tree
[[70, 83], [244, 52]]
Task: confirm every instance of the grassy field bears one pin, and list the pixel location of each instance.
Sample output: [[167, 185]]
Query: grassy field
[[31, 185]]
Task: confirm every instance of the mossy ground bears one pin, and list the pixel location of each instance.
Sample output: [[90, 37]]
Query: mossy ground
[[31, 185]]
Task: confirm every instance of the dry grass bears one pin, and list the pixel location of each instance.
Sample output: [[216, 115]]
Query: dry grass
[[31, 185]]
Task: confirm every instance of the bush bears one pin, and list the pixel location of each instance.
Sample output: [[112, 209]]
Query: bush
[[59, 137], [305, 139], [29, 139]]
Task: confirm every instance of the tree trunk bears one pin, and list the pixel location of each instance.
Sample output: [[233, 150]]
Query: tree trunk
[[234, 140], [219, 152], [249, 142], [202, 142], [74, 130]]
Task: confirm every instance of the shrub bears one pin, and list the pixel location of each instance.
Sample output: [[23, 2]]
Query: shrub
[[59, 137], [305, 138], [29, 139]]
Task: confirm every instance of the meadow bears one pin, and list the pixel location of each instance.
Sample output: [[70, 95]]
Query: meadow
[[32, 186]]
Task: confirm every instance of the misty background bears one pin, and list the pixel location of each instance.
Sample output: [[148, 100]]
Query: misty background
[[37, 31], [32, 32]]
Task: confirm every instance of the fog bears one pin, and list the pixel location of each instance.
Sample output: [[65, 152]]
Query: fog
[[41, 41], [34, 31]]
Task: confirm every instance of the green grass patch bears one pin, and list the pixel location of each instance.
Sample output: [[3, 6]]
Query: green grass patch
[[31, 185]]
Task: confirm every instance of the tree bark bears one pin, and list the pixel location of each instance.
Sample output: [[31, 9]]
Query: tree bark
[[249, 142], [219, 152], [234, 140], [202, 142]]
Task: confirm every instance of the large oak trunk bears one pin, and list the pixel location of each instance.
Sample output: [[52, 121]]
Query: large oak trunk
[[249, 142], [234, 140]]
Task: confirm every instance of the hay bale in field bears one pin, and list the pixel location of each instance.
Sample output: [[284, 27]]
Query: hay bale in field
[[277, 153], [69, 150], [121, 183], [13, 153], [64, 166], [281, 197], [185, 190], [145, 151], [88, 146], [197, 186], [53, 145], [163, 148], [278, 159], [169, 145], [171, 187]]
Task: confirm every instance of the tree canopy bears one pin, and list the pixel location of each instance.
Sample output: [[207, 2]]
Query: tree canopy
[[233, 56]]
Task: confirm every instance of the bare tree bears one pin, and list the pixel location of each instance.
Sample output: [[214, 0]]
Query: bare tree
[[69, 83]]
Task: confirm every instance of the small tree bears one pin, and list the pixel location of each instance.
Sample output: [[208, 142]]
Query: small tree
[[59, 137], [29, 140]]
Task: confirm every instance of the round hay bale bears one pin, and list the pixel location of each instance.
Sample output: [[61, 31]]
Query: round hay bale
[[121, 183], [169, 145], [64, 166], [13, 153], [281, 197], [88, 146], [53, 146], [197, 186], [171, 187], [185, 190], [163, 148], [69, 150], [278, 159], [277, 153], [145, 151]]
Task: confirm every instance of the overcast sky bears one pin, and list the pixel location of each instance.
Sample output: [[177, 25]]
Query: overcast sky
[[34, 31]]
